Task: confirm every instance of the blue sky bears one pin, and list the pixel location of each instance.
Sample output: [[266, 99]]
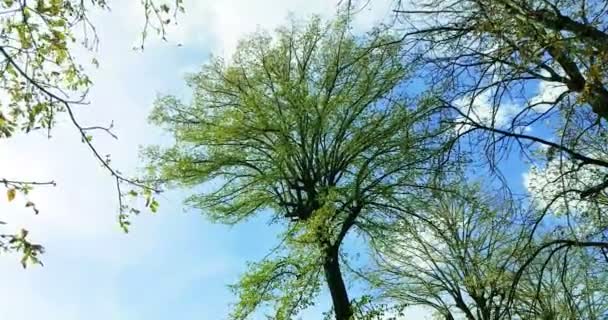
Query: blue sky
[[172, 265]]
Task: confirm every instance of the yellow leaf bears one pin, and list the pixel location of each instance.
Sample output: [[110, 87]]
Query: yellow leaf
[[10, 194]]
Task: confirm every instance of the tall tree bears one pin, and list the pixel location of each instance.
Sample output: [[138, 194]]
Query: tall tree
[[524, 75], [469, 257], [311, 125], [42, 80]]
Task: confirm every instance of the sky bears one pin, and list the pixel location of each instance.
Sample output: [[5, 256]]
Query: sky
[[173, 264]]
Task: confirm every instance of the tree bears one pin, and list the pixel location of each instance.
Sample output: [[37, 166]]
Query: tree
[[41, 80], [470, 257], [311, 125], [508, 41], [524, 75]]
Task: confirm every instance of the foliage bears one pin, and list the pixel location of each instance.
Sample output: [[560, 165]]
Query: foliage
[[471, 257], [497, 45], [525, 75], [40, 79], [485, 58], [310, 125]]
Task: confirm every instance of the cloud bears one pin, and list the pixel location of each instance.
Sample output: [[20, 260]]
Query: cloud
[[220, 24], [546, 185], [482, 110], [547, 94], [89, 262]]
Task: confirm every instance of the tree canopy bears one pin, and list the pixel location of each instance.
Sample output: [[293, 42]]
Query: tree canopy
[[505, 68], [311, 125], [471, 257], [523, 78]]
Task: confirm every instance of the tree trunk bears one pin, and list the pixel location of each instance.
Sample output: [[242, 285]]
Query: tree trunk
[[339, 295]]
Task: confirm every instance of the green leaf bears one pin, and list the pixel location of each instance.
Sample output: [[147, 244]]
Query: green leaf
[[154, 206]]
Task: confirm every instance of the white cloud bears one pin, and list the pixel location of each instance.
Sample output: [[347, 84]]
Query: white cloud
[[417, 312], [481, 109], [86, 251], [221, 24], [547, 93], [546, 185]]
